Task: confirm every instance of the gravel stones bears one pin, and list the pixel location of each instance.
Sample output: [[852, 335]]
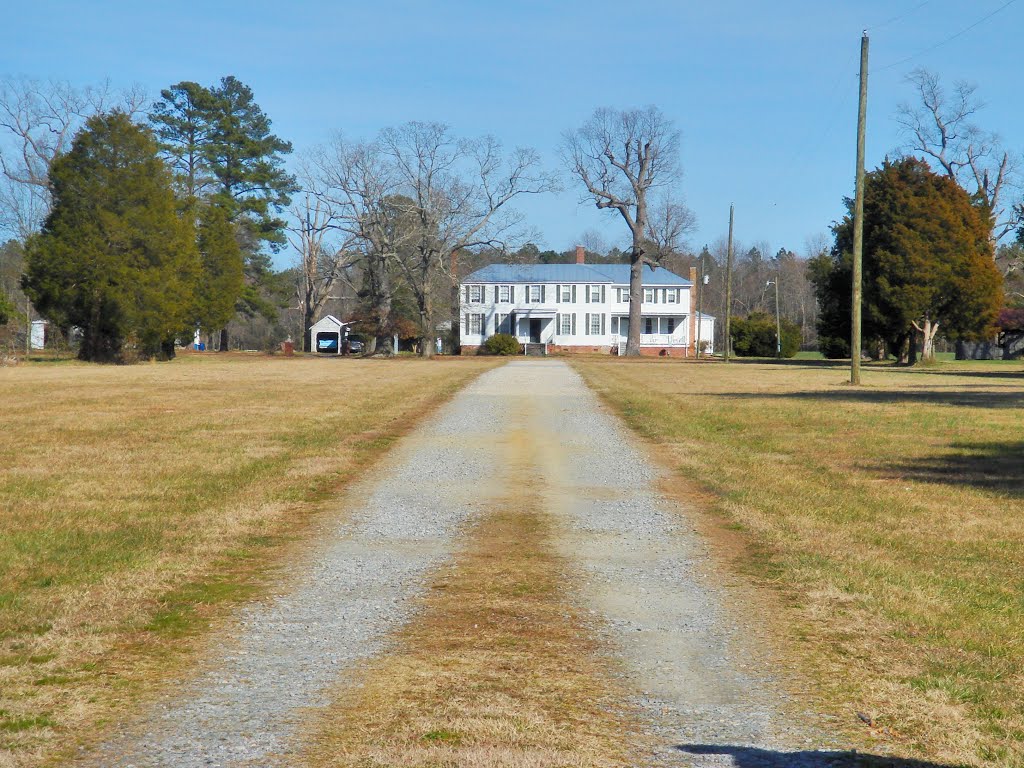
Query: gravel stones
[[703, 694], [697, 680], [336, 607]]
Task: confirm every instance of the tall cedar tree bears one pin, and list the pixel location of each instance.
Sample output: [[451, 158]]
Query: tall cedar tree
[[221, 268], [927, 260], [220, 143], [6, 310], [114, 258]]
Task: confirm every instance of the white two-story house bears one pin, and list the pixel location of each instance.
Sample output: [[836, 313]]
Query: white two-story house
[[580, 308]]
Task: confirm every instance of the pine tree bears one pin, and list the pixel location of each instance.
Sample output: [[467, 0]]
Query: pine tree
[[221, 145], [114, 258]]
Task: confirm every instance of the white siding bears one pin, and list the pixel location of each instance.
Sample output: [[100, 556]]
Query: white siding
[[605, 301]]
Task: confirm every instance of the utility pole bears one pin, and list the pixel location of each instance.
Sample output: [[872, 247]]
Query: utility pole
[[728, 290], [778, 322], [700, 301], [858, 216]]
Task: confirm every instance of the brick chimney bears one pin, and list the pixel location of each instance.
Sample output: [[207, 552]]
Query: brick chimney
[[581, 254]]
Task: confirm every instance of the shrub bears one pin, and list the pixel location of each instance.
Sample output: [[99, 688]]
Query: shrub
[[754, 336], [834, 348], [501, 344]]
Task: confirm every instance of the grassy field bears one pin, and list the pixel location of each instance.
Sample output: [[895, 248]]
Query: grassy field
[[137, 502], [886, 520]]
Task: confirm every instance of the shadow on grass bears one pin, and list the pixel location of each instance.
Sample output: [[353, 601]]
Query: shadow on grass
[[999, 371], [991, 466], [790, 361], [981, 398], [752, 757]]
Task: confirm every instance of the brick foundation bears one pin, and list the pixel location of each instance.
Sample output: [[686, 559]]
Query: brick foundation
[[559, 349]]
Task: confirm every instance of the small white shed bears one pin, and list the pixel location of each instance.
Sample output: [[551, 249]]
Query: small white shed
[[327, 334], [37, 336]]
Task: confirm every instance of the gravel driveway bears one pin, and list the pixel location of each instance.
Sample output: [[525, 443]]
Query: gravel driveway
[[641, 572], [336, 607], [699, 677]]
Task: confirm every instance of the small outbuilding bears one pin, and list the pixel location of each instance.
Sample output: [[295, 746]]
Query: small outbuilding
[[327, 336]]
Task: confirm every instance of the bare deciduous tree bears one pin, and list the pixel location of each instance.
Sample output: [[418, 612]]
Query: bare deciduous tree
[[323, 264], [358, 184], [621, 156], [941, 126], [668, 225], [38, 120], [458, 195]]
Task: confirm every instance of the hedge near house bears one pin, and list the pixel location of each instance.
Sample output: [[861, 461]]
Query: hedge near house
[[754, 336], [502, 344]]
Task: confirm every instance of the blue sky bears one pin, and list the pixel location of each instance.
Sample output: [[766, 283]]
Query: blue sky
[[764, 93]]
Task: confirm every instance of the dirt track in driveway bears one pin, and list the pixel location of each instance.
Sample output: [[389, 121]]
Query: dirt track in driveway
[[697, 688]]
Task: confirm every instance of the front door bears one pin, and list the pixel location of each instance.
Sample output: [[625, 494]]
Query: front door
[[534, 331]]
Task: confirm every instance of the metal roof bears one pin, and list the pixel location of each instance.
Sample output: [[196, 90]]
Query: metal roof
[[616, 274]]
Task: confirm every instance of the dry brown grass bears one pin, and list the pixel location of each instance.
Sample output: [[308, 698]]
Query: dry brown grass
[[136, 502], [497, 671], [889, 518]]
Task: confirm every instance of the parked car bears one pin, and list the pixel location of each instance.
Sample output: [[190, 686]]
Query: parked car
[[355, 346]]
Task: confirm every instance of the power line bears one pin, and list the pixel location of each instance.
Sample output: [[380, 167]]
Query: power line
[[949, 39], [902, 16]]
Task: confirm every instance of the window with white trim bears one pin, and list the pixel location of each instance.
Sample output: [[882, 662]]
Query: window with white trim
[[649, 325], [566, 294], [475, 294], [501, 324], [535, 294], [648, 295], [474, 323], [672, 296], [595, 293], [505, 293], [595, 324], [668, 324], [566, 325]]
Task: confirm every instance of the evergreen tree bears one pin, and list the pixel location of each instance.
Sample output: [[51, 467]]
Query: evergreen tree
[[6, 310], [927, 261], [221, 145], [114, 258], [246, 161], [183, 122], [221, 277]]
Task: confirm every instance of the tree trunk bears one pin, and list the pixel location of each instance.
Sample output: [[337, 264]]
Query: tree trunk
[[636, 295], [223, 340], [380, 283], [307, 323], [928, 331], [426, 332]]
